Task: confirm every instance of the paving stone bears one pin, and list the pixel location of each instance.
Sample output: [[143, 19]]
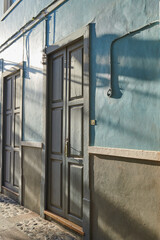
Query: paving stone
[[9, 208], [34, 227]]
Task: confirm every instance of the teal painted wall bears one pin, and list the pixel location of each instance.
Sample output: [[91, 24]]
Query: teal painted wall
[[130, 119]]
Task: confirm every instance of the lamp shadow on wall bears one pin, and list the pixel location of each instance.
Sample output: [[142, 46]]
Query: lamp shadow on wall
[[135, 69]]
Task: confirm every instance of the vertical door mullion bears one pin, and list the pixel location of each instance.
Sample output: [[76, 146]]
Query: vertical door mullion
[[49, 124], [64, 128], [56, 153], [74, 162], [12, 130], [20, 136]]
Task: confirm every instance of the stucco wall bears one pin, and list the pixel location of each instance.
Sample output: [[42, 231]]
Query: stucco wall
[[125, 199], [124, 193], [22, 13], [33, 84]]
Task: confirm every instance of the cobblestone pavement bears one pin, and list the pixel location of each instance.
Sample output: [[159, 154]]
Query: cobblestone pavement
[[19, 223]]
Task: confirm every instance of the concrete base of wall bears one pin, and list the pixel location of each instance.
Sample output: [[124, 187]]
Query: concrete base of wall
[[125, 198], [32, 178]]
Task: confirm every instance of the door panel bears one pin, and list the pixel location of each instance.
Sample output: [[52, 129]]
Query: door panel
[[17, 91], [76, 131], [75, 190], [16, 170], [7, 175], [57, 115], [76, 73], [16, 130], [9, 94], [56, 184], [55, 201], [8, 130], [11, 146], [57, 86]]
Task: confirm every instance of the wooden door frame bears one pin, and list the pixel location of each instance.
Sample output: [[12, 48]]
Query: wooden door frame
[[83, 33], [5, 75]]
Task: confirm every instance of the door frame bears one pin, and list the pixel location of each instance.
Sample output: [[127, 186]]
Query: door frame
[[84, 34], [5, 75]]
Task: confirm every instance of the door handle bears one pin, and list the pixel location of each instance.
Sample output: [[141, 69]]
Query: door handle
[[66, 147], [78, 160]]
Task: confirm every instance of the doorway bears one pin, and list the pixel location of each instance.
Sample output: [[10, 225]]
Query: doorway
[[67, 120], [11, 152]]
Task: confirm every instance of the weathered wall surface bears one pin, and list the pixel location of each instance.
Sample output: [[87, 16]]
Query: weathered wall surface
[[33, 84], [125, 197], [31, 178], [125, 193]]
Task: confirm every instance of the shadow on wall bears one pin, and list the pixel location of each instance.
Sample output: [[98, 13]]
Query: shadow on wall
[[10, 64], [132, 58], [131, 65], [135, 69], [30, 94], [51, 26]]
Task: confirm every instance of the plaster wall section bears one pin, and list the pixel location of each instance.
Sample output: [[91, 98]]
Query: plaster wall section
[[33, 84], [130, 118]]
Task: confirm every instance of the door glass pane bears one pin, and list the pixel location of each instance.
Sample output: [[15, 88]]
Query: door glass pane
[[76, 131], [17, 91], [9, 94], [16, 129], [57, 81], [76, 76]]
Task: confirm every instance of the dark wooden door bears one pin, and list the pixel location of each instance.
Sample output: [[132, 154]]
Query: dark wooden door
[[65, 155], [56, 160], [11, 132]]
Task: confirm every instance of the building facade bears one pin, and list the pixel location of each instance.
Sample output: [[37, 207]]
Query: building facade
[[80, 86]]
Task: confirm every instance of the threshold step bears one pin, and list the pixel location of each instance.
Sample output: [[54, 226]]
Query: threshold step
[[65, 222], [9, 193], [9, 190]]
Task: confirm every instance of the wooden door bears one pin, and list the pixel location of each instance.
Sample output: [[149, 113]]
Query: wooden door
[[74, 133], [65, 156], [56, 134], [11, 132]]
